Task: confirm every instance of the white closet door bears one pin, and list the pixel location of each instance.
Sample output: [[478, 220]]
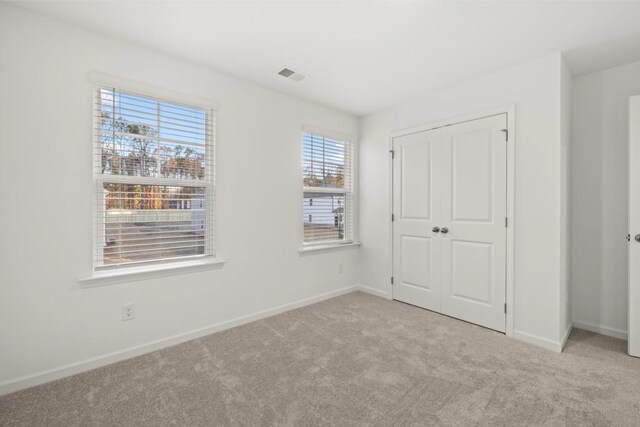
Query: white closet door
[[473, 190], [416, 253], [634, 226]]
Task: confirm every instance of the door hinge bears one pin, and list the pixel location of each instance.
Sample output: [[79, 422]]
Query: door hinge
[[505, 308], [393, 217], [506, 132], [393, 154], [392, 280], [506, 221]]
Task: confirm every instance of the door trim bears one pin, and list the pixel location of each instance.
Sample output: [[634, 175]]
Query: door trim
[[510, 111]]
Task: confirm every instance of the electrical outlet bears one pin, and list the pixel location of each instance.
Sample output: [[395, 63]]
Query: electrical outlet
[[340, 268], [128, 311]]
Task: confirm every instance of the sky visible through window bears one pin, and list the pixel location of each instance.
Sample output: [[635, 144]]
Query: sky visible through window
[[146, 137]]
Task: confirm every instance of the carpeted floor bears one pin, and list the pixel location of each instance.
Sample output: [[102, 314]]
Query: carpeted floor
[[352, 360]]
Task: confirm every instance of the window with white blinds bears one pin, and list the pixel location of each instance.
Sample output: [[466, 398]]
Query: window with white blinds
[[327, 205], [154, 174]]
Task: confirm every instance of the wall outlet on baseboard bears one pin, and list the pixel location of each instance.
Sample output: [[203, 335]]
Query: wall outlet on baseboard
[[128, 311]]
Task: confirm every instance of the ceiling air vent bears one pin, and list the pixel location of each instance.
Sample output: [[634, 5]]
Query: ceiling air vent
[[290, 74]]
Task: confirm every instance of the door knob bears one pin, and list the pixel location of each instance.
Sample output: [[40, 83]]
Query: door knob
[[637, 238], [436, 229], [444, 230]]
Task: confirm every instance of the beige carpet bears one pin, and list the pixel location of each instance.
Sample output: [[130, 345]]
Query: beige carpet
[[352, 360]]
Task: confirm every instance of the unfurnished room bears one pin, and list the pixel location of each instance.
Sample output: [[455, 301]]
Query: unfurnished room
[[319, 213]]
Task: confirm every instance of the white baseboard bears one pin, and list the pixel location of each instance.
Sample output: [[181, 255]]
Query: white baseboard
[[42, 377], [566, 336], [539, 341], [373, 291], [555, 346], [602, 330]]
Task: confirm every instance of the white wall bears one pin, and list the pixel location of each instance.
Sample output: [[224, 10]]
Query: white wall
[[535, 89], [565, 218], [46, 320], [600, 204]]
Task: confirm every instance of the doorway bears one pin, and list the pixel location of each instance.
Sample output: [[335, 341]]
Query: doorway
[[449, 222]]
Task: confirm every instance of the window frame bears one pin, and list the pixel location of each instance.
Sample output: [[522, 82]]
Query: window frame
[[350, 195], [99, 270]]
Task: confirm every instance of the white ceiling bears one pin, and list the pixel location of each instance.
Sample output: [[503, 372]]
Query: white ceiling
[[365, 56]]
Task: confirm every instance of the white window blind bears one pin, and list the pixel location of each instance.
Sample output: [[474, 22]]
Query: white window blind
[[327, 205], [154, 175]]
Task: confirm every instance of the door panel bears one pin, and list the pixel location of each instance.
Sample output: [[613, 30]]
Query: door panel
[[416, 181], [472, 271], [472, 176], [415, 263], [634, 226], [473, 195], [416, 254]]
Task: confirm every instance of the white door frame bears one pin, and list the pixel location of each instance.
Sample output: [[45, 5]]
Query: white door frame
[[510, 111], [633, 320]]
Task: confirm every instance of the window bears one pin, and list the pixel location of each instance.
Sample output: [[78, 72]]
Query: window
[[327, 206], [154, 175]]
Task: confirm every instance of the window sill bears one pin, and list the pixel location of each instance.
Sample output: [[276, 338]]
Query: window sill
[[143, 272], [323, 248]]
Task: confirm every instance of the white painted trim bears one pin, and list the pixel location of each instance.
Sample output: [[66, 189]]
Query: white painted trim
[[566, 336], [325, 190], [346, 137], [602, 330], [351, 141], [142, 88], [142, 272], [632, 335], [511, 214], [321, 248], [510, 111], [546, 343], [373, 291], [26, 381], [455, 120], [155, 92], [391, 155]]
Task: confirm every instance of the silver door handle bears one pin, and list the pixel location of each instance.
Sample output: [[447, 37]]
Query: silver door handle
[[444, 230], [436, 229]]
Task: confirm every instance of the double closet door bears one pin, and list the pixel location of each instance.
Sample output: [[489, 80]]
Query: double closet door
[[449, 228]]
